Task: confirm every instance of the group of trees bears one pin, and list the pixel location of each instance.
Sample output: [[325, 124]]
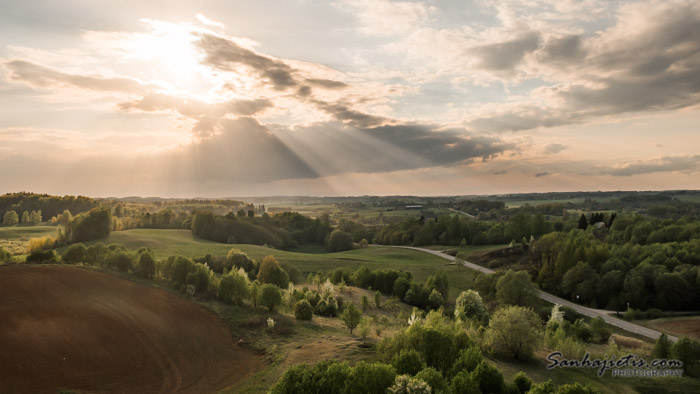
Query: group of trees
[[637, 263], [432, 355], [430, 295], [280, 231], [11, 218], [49, 205]]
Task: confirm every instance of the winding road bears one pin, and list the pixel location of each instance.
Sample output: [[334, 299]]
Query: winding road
[[625, 325]]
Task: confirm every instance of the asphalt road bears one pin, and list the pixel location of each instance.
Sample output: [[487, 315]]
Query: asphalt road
[[625, 325]]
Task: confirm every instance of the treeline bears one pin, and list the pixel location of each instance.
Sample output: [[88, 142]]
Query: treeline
[[637, 262], [430, 296], [49, 205], [283, 230]]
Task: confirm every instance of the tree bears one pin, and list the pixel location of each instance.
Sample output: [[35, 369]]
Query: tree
[[435, 300], [488, 377], [146, 266], [514, 331], [377, 299], [270, 296], [404, 384], [522, 382], [74, 254], [580, 282], [365, 303], [95, 224], [370, 378], [10, 218], [662, 348], [25, 217], [233, 287], [439, 281], [470, 305], [303, 310], [516, 288], [351, 317], [468, 360], [271, 272], [687, 351], [463, 384], [582, 222], [35, 217], [434, 379], [408, 361], [339, 241]]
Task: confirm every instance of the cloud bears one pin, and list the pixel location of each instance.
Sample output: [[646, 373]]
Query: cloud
[[386, 18], [505, 55], [554, 148], [541, 174], [344, 113], [43, 77], [687, 163], [209, 22]]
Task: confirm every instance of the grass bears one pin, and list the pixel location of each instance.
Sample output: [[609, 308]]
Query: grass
[[166, 243], [685, 326], [15, 239]]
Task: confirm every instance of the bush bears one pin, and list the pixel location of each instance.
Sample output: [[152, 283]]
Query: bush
[[146, 266], [468, 360], [434, 378], [270, 271], [489, 379], [303, 310], [233, 287], [522, 382], [270, 296], [339, 241], [74, 254], [600, 330], [370, 378], [121, 261], [95, 224], [408, 361], [41, 256]]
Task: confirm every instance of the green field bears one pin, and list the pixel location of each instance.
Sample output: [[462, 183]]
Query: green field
[[166, 243], [16, 238]]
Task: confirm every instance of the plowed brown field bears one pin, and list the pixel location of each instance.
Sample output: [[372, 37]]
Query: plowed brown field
[[75, 329]]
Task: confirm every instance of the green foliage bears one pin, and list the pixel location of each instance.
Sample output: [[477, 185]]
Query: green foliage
[[42, 257], [74, 254], [542, 388], [233, 288], [687, 351], [119, 260], [95, 224], [339, 241], [10, 218], [146, 266], [516, 288], [303, 310], [514, 332], [271, 272], [439, 282], [405, 384], [365, 303], [662, 348], [434, 379], [487, 377], [463, 384], [370, 378], [408, 361], [600, 330], [180, 268], [469, 305], [522, 382], [576, 388], [468, 360], [270, 296], [5, 255], [351, 317]]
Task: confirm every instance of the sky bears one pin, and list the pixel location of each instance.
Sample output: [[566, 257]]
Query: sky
[[298, 97]]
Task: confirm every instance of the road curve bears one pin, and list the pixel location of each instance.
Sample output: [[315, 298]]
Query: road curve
[[625, 325]]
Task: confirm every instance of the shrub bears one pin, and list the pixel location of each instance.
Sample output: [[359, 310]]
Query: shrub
[[489, 379], [146, 266], [41, 256], [434, 378], [233, 287], [522, 382], [408, 361], [270, 271], [270, 296], [339, 241], [74, 254], [303, 310]]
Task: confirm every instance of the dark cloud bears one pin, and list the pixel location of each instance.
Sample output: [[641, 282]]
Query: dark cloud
[[566, 49], [554, 148], [654, 66], [326, 83], [36, 75], [344, 113], [226, 55], [541, 174], [242, 150], [206, 115], [690, 163], [506, 55]]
